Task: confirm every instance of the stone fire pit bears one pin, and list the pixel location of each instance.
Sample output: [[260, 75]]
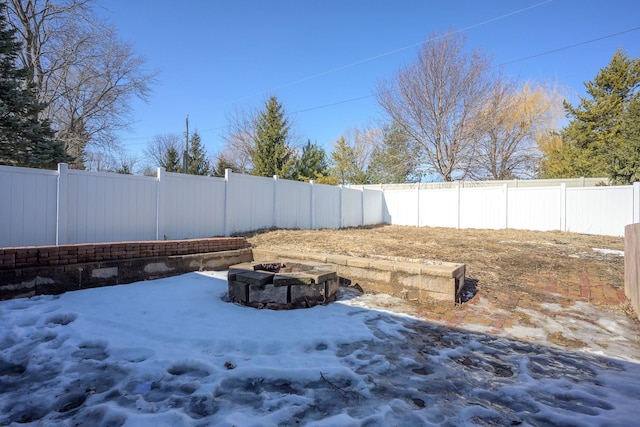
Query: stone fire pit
[[282, 285]]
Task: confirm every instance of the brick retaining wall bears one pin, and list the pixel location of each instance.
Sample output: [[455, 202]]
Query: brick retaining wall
[[38, 270], [42, 256]]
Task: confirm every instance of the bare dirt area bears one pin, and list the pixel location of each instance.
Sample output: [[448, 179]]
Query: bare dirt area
[[562, 289]]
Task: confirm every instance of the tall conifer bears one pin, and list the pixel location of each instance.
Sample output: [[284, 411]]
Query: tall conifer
[[25, 140], [198, 162], [595, 142], [271, 154]]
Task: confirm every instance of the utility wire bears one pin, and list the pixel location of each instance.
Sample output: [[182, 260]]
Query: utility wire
[[549, 52], [391, 52], [363, 61], [358, 98], [571, 46]]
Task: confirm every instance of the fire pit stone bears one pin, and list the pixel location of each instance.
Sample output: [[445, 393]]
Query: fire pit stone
[[282, 285]]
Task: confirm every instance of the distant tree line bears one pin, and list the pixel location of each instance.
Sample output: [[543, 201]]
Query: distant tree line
[[80, 74], [67, 81]]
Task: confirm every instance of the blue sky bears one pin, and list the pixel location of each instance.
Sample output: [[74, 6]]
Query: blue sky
[[318, 56]]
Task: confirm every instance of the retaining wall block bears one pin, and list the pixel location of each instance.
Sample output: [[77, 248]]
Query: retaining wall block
[[267, 294], [313, 292]]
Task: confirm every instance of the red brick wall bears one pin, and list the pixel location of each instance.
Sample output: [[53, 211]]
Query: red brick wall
[[33, 256], [632, 265]]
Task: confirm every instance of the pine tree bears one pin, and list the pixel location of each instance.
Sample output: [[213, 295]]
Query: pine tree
[[198, 163], [345, 165], [594, 139], [312, 163], [395, 161], [625, 163], [25, 140], [222, 164], [271, 154], [172, 163]]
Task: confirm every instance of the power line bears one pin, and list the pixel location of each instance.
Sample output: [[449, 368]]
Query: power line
[[499, 65], [571, 46], [362, 61], [391, 52], [358, 98]]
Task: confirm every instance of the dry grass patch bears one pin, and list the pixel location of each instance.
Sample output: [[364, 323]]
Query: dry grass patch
[[509, 265]]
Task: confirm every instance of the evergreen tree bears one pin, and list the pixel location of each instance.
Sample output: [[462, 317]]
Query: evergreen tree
[[25, 140], [222, 164], [312, 163], [594, 141], [271, 153], [198, 163], [625, 165], [172, 162], [395, 161], [345, 164]]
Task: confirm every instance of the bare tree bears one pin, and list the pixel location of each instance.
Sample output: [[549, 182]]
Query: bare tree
[[363, 141], [435, 99], [164, 151], [108, 160], [81, 70], [239, 137], [512, 122]]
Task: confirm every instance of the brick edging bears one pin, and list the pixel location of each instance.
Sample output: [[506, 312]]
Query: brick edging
[[43, 256]]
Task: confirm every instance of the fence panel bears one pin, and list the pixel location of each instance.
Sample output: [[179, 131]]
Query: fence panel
[[250, 203], [193, 206], [373, 201], [438, 208], [293, 204], [27, 207], [401, 207], [108, 207], [326, 206], [599, 210], [483, 208], [535, 208], [351, 207]]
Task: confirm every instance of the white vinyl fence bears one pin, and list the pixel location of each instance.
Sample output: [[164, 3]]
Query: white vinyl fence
[[39, 207], [588, 210], [70, 206]]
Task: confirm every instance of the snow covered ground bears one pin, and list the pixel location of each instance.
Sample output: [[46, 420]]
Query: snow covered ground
[[172, 352]]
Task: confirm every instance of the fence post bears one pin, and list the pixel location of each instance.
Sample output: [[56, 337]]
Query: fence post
[[275, 201], [227, 180], [312, 202], [505, 188], [61, 204], [458, 207], [382, 205], [418, 205], [362, 205], [341, 213], [160, 205], [563, 207], [636, 202]]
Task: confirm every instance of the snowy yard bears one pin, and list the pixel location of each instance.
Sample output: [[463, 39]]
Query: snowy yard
[[172, 352]]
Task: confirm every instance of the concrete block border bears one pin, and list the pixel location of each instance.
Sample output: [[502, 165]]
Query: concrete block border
[[420, 281]]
